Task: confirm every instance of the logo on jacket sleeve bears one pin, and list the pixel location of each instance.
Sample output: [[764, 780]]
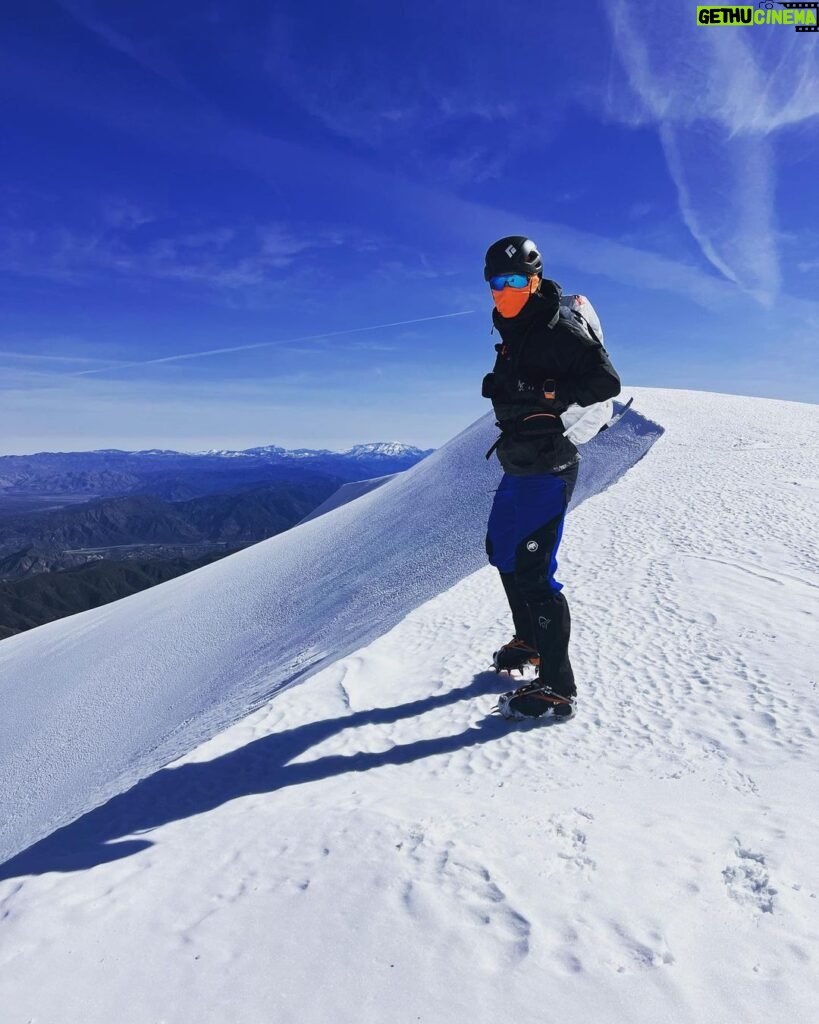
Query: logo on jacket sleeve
[[531, 545]]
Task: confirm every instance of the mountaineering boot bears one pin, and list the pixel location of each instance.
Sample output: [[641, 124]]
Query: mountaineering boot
[[553, 692], [535, 701], [512, 657]]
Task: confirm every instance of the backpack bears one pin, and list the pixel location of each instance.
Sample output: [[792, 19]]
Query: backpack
[[583, 423]]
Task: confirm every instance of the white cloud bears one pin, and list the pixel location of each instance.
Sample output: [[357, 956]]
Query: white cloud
[[39, 357], [228, 258], [280, 344], [148, 55], [122, 213], [717, 97], [431, 116]]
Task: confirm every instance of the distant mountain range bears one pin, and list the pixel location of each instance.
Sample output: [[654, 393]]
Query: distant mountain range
[[176, 476], [80, 529]]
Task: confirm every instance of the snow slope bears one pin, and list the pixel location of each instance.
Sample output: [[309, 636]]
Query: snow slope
[[370, 846], [347, 493], [94, 702]]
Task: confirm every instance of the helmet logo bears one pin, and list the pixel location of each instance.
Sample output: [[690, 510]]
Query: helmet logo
[[531, 545], [510, 251]]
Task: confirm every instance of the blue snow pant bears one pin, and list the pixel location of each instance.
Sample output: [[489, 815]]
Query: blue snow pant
[[523, 535]]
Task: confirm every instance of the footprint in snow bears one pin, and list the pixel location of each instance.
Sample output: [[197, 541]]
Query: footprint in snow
[[444, 880], [748, 881]]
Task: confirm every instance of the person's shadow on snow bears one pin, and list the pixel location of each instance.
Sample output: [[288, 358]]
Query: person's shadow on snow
[[261, 766]]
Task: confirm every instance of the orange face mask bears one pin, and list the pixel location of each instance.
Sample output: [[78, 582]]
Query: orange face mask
[[510, 301]]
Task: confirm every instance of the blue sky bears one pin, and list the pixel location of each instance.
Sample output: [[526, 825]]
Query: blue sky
[[280, 181]]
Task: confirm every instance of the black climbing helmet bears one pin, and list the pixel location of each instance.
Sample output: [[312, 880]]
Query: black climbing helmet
[[515, 254]]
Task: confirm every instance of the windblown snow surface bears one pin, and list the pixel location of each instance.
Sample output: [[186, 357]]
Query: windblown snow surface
[[93, 703], [372, 846]]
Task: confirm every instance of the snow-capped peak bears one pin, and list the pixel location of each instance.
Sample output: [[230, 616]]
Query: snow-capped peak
[[385, 449], [376, 449]]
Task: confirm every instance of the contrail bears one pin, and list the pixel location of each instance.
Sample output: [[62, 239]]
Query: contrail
[[266, 344]]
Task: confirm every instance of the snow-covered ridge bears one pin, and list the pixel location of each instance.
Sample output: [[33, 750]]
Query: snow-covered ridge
[[94, 702], [654, 860], [348, 492]]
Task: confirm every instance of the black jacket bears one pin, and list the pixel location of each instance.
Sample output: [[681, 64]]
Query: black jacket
[[546, 361]]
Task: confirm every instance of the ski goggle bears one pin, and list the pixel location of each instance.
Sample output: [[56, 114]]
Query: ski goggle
[[497, 284]]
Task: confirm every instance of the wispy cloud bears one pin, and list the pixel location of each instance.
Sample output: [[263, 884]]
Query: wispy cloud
[[717, 98], [225, 267], [39, 357], [52, 411], [148, 55], [278, 343], [117, 212], [469, 224], [432, 116], [224, 258]]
